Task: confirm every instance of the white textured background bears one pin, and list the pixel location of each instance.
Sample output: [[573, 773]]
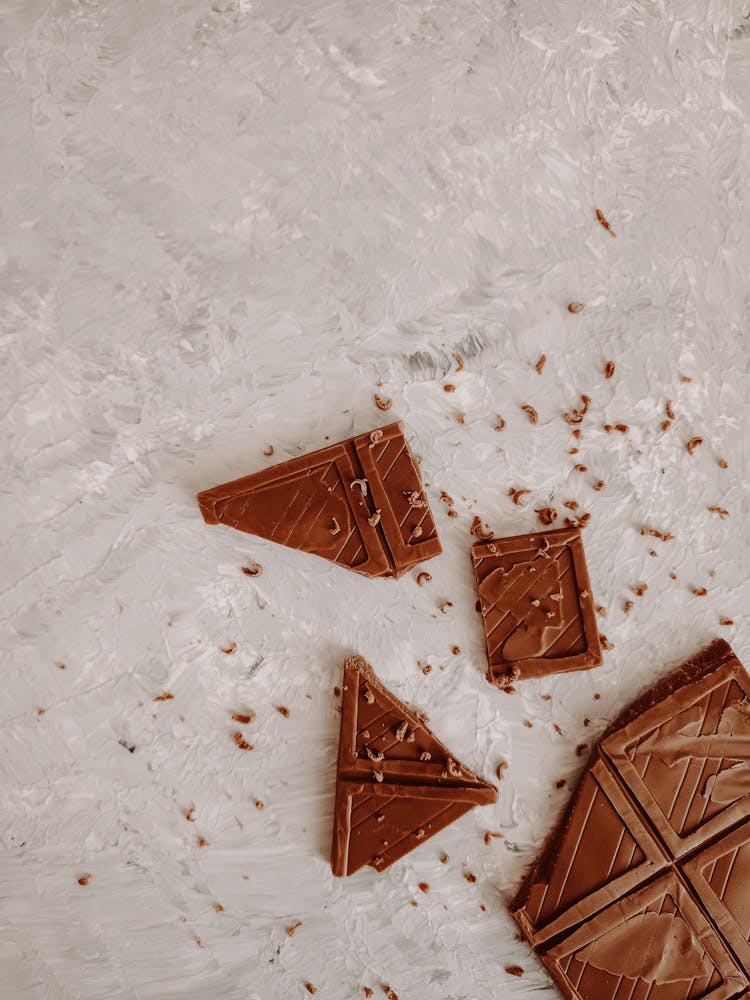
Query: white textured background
[[222, 226]]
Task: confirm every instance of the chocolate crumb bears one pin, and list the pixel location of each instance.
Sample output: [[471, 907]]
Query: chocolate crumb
[[517, 495], [560, 783], [546, 514], [640, 590], [229, 649], [219, 908], [259, 805], [577, 433], [693, 443], [426, 669], [478, 530], [241, 743], [444, 605], [571, 504], [244, 718], [255, 570], [653, 533], [541, 363], [84, 879], [337, 692], [599, 486], [367, 992], [190, 814], [202, 842], [500, 424], [452, 513], [390, 994], [668, 409], [685, 378], [575, 307], [723, 464], [597, 696], [699, 592], [652, 552], [268, 451], [502, 767], [666, 424], [514, 970], [627, 607], [726, 621], [581, 748], [672, 576], [168, 696], [459, 362], [531, 413], [291, 931], [446, 498], [470, 877], [490, 835], [310, 988], [581, 468], [444, 859], [605, 643], [424, 886], [456, 650], [528, 724], [600, 218], [449, 388], [622, 428], [383, 404], [282, 710], [609, 369], [461, 418], [720, 511]]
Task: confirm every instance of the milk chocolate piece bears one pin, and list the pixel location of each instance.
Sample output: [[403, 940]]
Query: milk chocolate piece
[[536, 604], [643, 890], [396, 784], [358, 503]]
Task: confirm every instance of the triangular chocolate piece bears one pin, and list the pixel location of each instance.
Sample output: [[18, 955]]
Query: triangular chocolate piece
[[396, 784], [358, 503]]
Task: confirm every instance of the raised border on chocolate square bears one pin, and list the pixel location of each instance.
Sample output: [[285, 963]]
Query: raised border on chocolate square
[[627, 940], [556, 634]]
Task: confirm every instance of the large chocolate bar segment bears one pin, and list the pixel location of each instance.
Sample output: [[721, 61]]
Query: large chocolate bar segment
[[396, 784], [601, 849], [685, 758], [536, 604], [655, 943], [358, 503]]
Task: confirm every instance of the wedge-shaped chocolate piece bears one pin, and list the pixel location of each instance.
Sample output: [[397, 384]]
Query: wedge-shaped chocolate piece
[[684, 751], [644, 888], [536, 604], [601, 850], [358, 503], [396, 784], [656, 943]]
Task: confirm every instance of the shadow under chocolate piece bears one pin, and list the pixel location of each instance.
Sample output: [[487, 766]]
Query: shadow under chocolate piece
[[358, 503], [396, 784], [536, 604], [643, 890]]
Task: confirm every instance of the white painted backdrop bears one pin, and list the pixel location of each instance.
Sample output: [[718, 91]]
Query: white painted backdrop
[[223, 225]]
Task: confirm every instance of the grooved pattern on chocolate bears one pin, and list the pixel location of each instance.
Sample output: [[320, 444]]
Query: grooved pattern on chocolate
[[358, 503], [643, 890], [397, 785]]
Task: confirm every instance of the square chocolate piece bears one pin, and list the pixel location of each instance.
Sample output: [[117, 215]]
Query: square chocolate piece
[[643, 890], [536, 604]]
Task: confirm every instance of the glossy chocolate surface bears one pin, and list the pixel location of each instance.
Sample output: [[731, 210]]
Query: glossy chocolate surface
[[536, 605], [396, 784], [643, 890], [358, 503]]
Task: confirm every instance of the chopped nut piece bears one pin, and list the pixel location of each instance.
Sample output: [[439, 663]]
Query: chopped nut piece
[[244, 718], [229, 649], [335, 526], [446, 498], [414, 498], [720, 511], [622, 428], [423, 578], [220, 909], [380, 818], [547, 515], [605, 643], [560, 783], [461, 418], [390, 993], [478, 530], [531, 413], [581, 748], [653, 533], [202, 842], [419, 834], [426, 669], [241, 743], [723, 464], [453, 769], [190, 814], [444, 859], [452, 513], [581, 468], [456, 650], [310, 988], [500, 424], [575, 307], [514, 970], [383, 404], [374, 755], [255, 570], [489, 835], [367, 992], [576, 415], [540, 363], [528, 724], [666, 424], [685, 378], [604, 223], [609, 369], [693, 443], [571, 504], [699, 592], [282, 710]]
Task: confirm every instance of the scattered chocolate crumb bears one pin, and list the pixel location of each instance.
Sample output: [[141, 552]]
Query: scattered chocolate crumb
[[597, 696], [282, 710], [470, 877], [367, 992], [502, 767], [606, 644], [541, 363], [668, 409], [575, 307], [546, 697], [240, 742], [424, 886], [198, 942], [268, 451], [310, 988], [84, 879], [699, 592], [529, 725], [229, 649], [478, 530], [685, 378], [244, 718], [514, 970], [255, 570], [666, 424], [672, 576], [723, 464], [446, 498], [259, 804], [573, 451], [576, 415], [622, 428], [609, 369], [546, 514], [599, 486], [577, 433], [337, 692], [390, 994], [720, 511], [560, 783], [500, 425], [461, 418], [202, 842], [449, 388], [456, 650], [517, 495], [218, 907], [581, 748], [640, 590], [414, 902], [531, 412], [444, 859], [693, 443], [490, 835], [482, 907], [571, 504], [726, 621], [452, 513], [581, 468], [41, 711], [459, 362], [600, 218], [291, 931], [426, 669], [627, 606], [444, 605], [653, 533], [383, 404], [167, 696], [190, 814], [607, 428], [557, 729]]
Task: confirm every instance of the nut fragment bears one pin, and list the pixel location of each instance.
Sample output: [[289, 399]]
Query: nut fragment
[[310, 988], [375, 755], [459, 362], [576, 415], [414, 498], [449, 387], [531, 413], [723, 464], [540, 363], [668, 409], [726, 621], [693, 443], [609, 369], [547, 515], [255, 570], [84, 879], [500, 424], [699, 592], [244, 718], [241, 743], [383, 404], [640, 589], [282, 710], [425, 755], [420, 833]]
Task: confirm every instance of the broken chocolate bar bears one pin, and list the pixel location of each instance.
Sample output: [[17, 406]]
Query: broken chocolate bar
[[358, 503], [536, 604], [643, 890], [396, 784]]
